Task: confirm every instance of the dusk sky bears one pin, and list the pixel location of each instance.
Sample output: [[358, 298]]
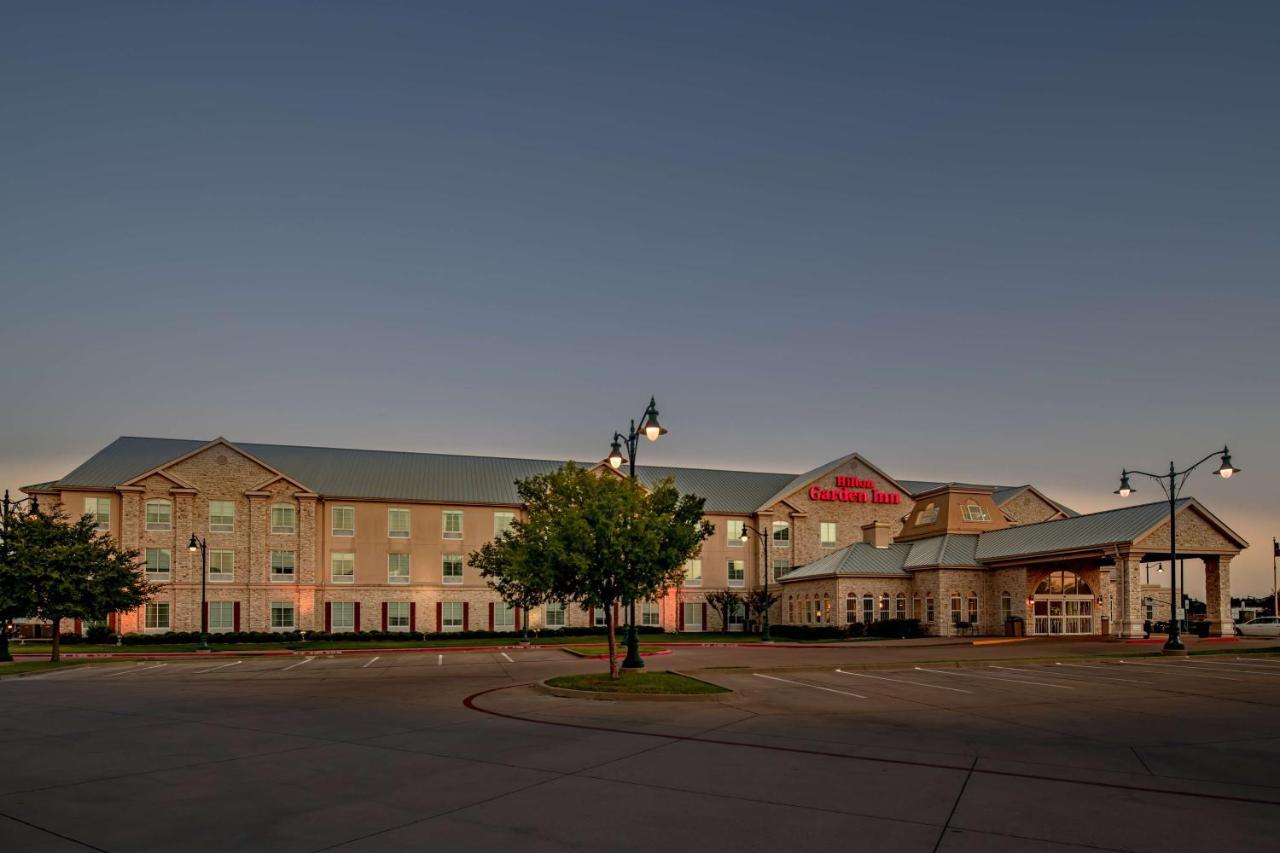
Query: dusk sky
[[996, 242]]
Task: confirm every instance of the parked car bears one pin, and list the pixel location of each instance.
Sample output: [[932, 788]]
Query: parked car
[[1263, 626]]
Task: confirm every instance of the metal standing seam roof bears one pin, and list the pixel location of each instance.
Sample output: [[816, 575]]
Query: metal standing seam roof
[[856, 559], [401, 475], [1082, 531]]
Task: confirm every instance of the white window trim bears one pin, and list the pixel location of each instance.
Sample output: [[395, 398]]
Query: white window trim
[[500, 609], [408, 617], [462, 617], [823, 541], [342, 579], [399, 580], [447, 579], [344, 532], [98, 523], [399, 534], [447, 534], [292, 530], [222, 577], [231, 528], [333, 616], [169, 617], [157, 526], [496, 513], [271, 606], [157, 576], [688, 581], [733, 539], [281, 577], [231, 619], [697, 608], [736, 582], [546, 621]]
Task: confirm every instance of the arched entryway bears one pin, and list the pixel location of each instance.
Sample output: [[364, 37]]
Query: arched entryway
[[1063, 604]]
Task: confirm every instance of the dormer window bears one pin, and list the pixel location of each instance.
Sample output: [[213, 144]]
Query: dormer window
[[975, 512], [928, 515]]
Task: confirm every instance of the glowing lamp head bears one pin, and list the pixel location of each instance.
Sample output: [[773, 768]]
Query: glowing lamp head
[[743, 536], [1159, 568], [615, 455], [652, 429], [1125, 489], [193, 545], [1226, 469]]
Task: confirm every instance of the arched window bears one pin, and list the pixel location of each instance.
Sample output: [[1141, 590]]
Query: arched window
[[900, 612], [957, 609], [826, 608], [159, 515], [1006, 606], [975, 512], [928, 609], [1063, 583], [850, 609], [884, 606], [973, 609], [868, 609], [928, 515]]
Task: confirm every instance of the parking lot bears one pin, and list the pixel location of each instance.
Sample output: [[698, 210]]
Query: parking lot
[[814, 749]]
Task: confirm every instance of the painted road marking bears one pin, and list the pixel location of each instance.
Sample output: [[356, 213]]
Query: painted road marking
[[439, 660], [1171, 669], [136, 669], [904, 681], [216, 668], [370, 663], [1102, 677], [508, 657], [997, 678], [1262, 660], [1233, 667], [299, 663], [814, 686]]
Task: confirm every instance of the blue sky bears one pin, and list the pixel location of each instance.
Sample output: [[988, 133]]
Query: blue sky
[[999, 242]]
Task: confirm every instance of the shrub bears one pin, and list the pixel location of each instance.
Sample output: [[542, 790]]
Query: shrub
[[900, 628], [100, 633]]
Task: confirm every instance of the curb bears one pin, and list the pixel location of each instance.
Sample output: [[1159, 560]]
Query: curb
[[567, 693]]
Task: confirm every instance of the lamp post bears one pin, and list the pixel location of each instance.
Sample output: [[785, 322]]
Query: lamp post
[[8, 507], [652, 430], [202, 545], [1172, 484], [764, 547]]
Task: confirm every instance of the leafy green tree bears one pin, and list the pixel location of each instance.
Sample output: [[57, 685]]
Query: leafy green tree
[[724, 602], [57, 569], [757, 602], [595, 540]]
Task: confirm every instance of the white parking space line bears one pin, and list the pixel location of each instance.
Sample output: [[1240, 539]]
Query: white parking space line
[[439, 660], [904, 681], [1232, 667], [1100, 677], [299, 663], [813, 686], [998, 678], [1261, 660], [508, 657], [137, 668], [371, 663], [1172, 669], [216, 668]]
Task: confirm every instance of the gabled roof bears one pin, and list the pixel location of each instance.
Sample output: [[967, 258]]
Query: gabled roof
[[1098, 529], [856, 559], [1000, 494], [801, 480], [949, 549]]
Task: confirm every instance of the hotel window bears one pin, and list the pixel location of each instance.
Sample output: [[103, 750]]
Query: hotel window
[[452, 571], [342, 616], [397, 568], [398, 523], [900, 609], [973, 608], [884, 607], [282, 567], [222, 566], [868, 609], [780, 568], [159, 515], [650, 614], [156, 616], [281, 616], [693, 573], [159, 563], [1006, 607], [342, 567], [502, 522], [692, 616], [827, 533], [504, 617], [781, 534], [600, 617], [737, 572], [974, 512], [850, 609], [222, 516], [452, 524], [928, 609], [100, 509], [808, 609], [734, 530], [343, 521], [791, 608], [222, 616], [397, 616], [282, 519], [928, 515], [553, 615], [451, 616], [915, 608], [956, 613]]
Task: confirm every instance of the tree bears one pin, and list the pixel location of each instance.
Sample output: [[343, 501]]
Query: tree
[[595, 540], [758, 601], [57, 569], [724, 602]]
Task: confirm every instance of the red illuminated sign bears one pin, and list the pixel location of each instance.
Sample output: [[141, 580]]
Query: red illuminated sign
[[854, 490]]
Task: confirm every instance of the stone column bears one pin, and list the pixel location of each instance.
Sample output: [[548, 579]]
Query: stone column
[[1217, 585], [1129, 615]]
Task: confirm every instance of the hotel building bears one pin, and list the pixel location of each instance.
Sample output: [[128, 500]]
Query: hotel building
[[346, 540]]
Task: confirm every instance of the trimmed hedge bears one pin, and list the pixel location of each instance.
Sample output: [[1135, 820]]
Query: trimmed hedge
[[233, 637], [899, 628]]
